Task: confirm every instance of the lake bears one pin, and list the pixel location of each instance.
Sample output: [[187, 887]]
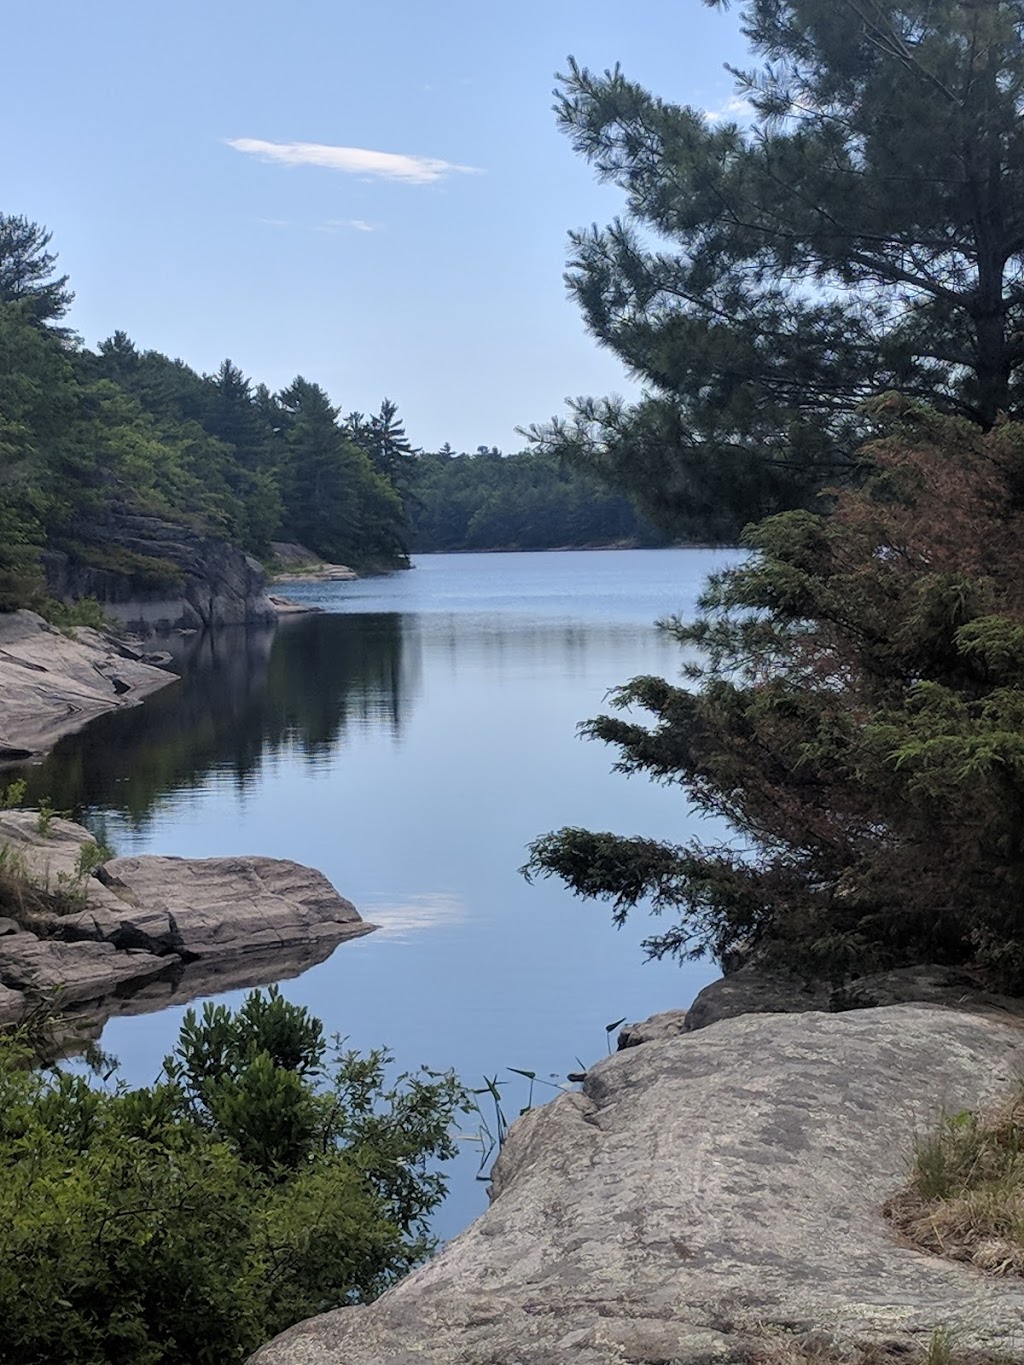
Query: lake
[[410, 742]]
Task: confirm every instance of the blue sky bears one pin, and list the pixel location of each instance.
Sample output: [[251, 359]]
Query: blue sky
[[186, 158]]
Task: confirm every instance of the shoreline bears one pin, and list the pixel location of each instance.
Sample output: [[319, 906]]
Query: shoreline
[[54, 684]]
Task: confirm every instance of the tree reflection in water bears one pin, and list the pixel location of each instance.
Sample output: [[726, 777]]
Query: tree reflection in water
[[243, 694]]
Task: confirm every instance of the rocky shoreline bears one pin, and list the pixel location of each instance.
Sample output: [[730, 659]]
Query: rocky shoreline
[[54, 683], [137, 934], [711, 1197]]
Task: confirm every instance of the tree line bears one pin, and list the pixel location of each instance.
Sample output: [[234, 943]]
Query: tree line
[[531, 500], [83, 429]]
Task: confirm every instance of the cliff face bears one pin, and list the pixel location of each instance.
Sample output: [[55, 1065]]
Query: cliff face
[[157, 576], [702, 1192]]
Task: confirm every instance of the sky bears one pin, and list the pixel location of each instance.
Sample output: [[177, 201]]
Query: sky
[[375, 196]]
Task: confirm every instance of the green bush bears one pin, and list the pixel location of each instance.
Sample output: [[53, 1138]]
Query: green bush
[[86, 611], [264, 1178]]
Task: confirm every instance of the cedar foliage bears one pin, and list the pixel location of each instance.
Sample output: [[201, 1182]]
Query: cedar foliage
[[854, 709]]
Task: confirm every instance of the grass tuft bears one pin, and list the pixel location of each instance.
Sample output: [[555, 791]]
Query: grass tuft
[[965, 1200]]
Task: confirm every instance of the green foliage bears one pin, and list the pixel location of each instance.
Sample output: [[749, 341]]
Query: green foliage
[[854, 716], [965, 1199], [84, 611], [529, 501], [84, 435], [13, 794], [44, 818], [859, 234], [27, 280], [186, 1223]]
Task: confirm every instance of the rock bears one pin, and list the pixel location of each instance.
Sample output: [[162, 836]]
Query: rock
[[159, 576], [76, 971], [668, 1025], [751, 990], [299, 564], [242, 921], [11, 1006], [284, 606], [179, 983], [53, 684], [702, 1191], [205, 907], [9, 926]]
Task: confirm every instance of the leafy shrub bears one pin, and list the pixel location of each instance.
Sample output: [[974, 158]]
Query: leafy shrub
[[84, 611], [264, 1178]]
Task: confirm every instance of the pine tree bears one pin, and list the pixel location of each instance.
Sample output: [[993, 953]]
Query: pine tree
[[27, 277], [864, 233]]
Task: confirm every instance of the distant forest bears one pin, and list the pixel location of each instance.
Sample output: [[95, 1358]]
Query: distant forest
[[529, 501], [84, 431]]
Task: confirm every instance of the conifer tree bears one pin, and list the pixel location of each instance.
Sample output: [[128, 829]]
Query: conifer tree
[[863, 232]]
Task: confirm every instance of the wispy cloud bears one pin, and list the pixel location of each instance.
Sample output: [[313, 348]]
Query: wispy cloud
[[341, 224], [410, 170], [736, 108]]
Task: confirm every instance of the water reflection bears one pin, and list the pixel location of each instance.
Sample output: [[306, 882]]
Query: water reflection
[[243, 694]]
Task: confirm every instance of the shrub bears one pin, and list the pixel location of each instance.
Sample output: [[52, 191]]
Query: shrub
[[965, 1199], [263, 1178]]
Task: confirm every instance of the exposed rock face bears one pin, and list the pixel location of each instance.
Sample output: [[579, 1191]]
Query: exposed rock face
[[205, 907], [156, 575], [53, 684], [701, 1191], [659, 1027], [750, 990], [299, 564], [178, 927]]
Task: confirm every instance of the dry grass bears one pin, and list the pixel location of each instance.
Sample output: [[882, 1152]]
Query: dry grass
[[965, 1200], [34, 903]]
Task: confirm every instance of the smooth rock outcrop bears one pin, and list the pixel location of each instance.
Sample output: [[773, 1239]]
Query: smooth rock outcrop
[[299, 564], [207, 907], [164, 929], [52, 684], [670, 1024], [700, 1192]]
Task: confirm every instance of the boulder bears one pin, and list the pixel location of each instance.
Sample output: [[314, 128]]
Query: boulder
[[299, 564], [69, 972], [134, 921], [205, 907], [54, 683], [752, 990], [701, 1192], [659, 1026]]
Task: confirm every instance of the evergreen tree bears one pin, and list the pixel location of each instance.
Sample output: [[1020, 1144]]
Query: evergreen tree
[[865, 233], [335, 502], [27, 277], [856, 717]]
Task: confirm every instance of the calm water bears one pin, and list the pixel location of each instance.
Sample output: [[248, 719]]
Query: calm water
[[410, 742]]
